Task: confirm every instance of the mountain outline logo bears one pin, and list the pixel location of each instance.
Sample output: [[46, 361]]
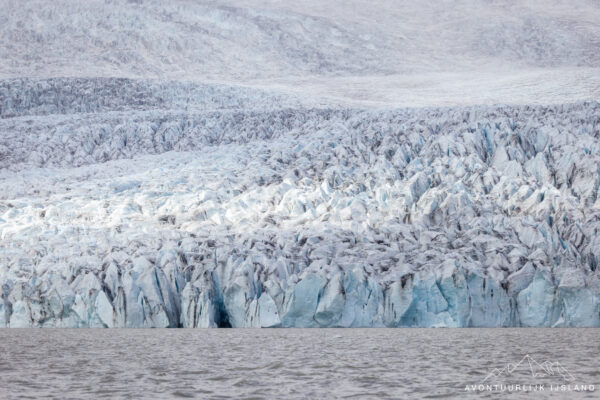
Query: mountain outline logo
[[538, 370]]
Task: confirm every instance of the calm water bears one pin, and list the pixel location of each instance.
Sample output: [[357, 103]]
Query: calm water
[[293, 363]]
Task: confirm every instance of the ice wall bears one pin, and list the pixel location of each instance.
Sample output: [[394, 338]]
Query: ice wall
[[453, 298]]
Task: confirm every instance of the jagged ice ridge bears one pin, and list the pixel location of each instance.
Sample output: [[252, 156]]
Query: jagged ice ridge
[[295, 215]]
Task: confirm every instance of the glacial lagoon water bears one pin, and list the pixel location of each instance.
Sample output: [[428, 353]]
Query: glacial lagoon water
[[300, 363]]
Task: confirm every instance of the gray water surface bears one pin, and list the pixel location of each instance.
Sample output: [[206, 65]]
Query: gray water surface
[[289, 363]]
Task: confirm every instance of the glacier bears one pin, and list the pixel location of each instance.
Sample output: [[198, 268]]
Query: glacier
[[295, 215], [257, 163]]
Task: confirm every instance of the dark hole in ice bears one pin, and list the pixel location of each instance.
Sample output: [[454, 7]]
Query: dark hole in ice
[[222, 317]]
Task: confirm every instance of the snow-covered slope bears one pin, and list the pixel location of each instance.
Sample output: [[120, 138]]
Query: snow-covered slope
[[309, 164], [381, 52]]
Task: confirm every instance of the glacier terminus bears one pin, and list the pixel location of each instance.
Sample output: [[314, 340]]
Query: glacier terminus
[[257, 164]]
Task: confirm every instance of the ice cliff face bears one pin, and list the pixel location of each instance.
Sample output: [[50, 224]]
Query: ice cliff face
[[287, 214]]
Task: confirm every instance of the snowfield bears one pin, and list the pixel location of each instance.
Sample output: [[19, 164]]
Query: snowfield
[[261, 164]]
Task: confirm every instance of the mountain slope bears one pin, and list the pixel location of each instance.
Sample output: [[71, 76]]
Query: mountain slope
[[408, 47]]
